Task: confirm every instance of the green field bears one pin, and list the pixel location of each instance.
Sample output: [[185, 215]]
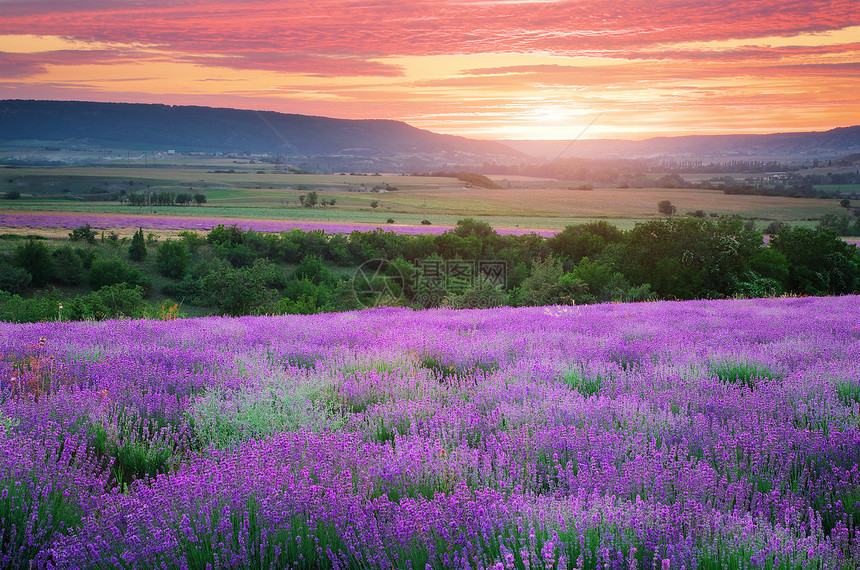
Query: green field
[[260, 192]]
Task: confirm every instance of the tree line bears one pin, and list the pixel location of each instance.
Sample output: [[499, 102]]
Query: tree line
[[236, 272], [165, 199]]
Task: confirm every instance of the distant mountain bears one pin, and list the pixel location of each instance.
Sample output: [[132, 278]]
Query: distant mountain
[[780, 146], [86, 125]]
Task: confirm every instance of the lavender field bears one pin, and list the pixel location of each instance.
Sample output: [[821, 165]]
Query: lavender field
[[702, 434]]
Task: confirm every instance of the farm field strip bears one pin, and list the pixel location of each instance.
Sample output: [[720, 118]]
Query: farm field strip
[[37, 220], [700, 434], [529, 202]]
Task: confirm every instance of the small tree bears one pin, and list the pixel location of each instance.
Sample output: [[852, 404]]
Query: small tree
[[666, 207], [35, 258], [845, 203], [199, 199], [106, 272], [83, 233], [68, 266], [172, 258], [374, 204], [13, 279], [137, 250], [311, 200]]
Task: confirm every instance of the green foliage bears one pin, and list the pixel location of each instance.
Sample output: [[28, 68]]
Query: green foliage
[[172, 258], [819, 262], [585, 384], [69, 266], [688, 258], [42, 306], [13, 279], [83, 233], [665, 207], [848, 392], [45, 510], [136, 452], [106, 272], [35, 257], [223, 417], [469, 227], [605, 284], [744, 374], [549, 285], [137, 249], [839, 224], [302, 297], [312, 269], [481, 294], [192, 240], [470, 178], [584, 240], [223, 235], [244, 291], [344, 298], [108, 302]]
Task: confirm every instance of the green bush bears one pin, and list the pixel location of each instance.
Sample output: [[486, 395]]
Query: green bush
[[109, 302], [244, 291], [137, 249], [481, 294], [172, 259], [35, 257], [42, 306], [106, 272], [312, 269], [13, 279], [549, 285], [68, 266], [819, 262], [83, 233]]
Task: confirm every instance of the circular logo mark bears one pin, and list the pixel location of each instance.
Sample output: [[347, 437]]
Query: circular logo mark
[[378, 282]]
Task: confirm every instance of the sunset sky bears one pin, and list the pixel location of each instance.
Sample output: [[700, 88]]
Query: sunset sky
[[521, 69]]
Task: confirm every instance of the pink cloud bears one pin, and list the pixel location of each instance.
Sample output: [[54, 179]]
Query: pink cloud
[[362, 29], [26, 64]]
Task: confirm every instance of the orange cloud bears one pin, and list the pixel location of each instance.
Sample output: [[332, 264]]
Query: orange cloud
[[411, 60]]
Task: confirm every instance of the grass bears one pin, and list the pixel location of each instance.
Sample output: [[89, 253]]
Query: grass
[[245, 194], [742, 373]]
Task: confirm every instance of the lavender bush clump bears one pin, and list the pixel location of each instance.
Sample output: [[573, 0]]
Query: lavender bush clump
[[706, 434]]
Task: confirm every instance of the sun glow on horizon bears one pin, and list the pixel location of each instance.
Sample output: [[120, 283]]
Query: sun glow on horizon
[[539, 70]]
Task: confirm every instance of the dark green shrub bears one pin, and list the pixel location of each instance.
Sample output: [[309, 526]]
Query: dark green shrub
[[35, 258], [312, 269], [137, 249], [192, 240], [68, 266], [172, 259], [225, 235], [106, 272], [819, 262], [83, 233], [240, 291], [239, 255], [13, 279], [109, 302]]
